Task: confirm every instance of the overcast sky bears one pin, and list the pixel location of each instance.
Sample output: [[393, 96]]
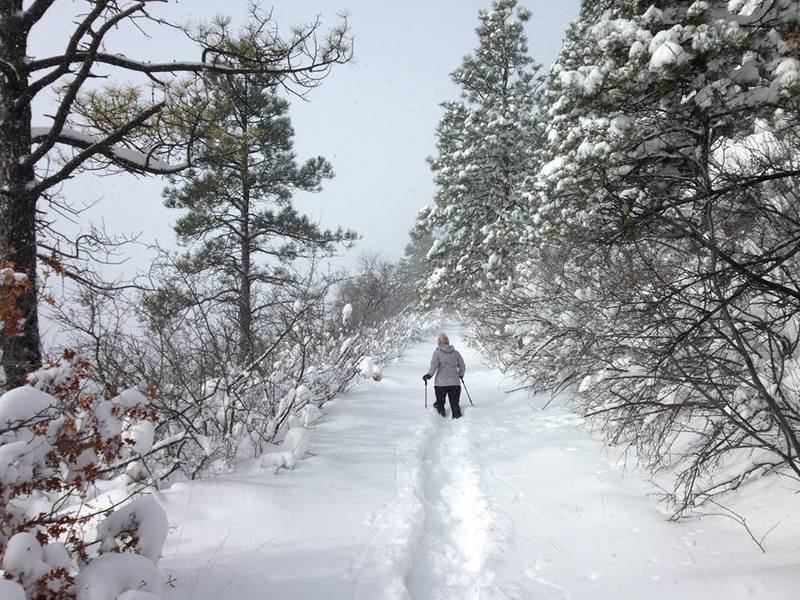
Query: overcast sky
[[374, 118]]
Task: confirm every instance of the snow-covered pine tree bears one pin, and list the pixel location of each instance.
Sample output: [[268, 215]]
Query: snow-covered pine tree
[[592, 10], [653, 95], [241, 227], [668, 207], [485, 153]]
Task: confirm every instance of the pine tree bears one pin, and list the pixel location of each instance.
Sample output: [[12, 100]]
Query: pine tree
[[592, 10], [665, 228], [241, 226], [638, 106], [485, 152], [35, 161]]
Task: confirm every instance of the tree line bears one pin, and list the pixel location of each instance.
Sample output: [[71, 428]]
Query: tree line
[[225, 345], [630, 221]]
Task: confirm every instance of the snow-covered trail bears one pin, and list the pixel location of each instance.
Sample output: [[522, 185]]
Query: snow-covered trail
[[510, 502], [449, 559]]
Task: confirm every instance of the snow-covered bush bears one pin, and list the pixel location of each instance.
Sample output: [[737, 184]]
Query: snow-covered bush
[[213, 410], [60, 446], [369, 369]]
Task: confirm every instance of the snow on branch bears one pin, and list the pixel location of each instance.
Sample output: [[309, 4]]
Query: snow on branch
[[128, 158]]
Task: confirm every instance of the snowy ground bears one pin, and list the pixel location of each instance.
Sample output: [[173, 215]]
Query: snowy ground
[[512, 501]]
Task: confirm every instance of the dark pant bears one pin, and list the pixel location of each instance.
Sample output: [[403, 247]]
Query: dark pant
[[451, 391]]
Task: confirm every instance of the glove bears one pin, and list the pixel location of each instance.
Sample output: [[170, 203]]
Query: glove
[[426, 377]]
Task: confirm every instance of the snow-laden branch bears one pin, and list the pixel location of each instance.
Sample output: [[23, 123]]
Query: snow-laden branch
[[165, 443], [81, 75], [128, 158]]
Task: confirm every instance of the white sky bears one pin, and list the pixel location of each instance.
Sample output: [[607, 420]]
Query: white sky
[[374, 119]]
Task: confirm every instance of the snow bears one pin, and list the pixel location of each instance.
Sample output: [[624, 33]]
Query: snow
[[752, 155], [652, 15], [135, 158], [293, 449], [107, 413], [130, 398], [698, 9], [514, 501], [56, 555], [59, 376], [112, 576], [22, 404], [552, 168], [11, 591], [593, 81], [144, 516], [369, 369], [787, 73], [11, 277], [310, 415], [137, 595], [571, 79], [347, 312], [668, 54], [24, 558], [21, 454], [142, 434], [744, 7]]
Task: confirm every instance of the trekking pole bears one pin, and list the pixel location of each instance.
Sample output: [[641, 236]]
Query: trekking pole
[[426, 394], [466, 390]]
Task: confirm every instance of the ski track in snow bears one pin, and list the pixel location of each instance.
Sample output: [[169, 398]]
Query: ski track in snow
[[511, 502], [449, 559]]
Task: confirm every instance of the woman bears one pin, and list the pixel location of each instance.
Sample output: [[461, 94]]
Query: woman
[[448, 366]]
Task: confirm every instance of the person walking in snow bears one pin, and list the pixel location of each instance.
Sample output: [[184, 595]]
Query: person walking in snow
[[449, 368]]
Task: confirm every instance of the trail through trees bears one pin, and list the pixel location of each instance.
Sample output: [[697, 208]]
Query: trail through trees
[[510, 502]]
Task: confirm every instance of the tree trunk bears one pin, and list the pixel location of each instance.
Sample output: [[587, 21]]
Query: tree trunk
[[245, 301], [20, 341]]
